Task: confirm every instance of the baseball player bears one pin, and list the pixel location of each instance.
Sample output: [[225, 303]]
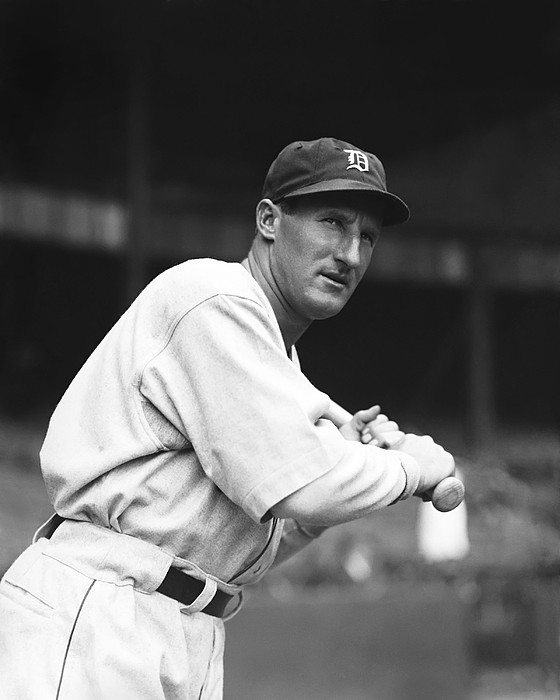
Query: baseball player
[[190, 451]]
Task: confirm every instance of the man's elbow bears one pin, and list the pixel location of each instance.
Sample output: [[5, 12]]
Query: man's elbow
[[289, 507], [308, 505]]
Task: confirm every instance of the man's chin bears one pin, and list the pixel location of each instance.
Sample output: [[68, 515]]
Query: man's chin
[[328, 308]]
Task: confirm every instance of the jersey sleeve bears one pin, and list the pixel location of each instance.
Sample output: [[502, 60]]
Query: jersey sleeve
[[223, 378]]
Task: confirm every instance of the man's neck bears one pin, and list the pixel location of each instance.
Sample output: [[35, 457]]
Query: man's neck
[[291, 327]]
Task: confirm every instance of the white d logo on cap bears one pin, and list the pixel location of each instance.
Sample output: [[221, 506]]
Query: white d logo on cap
[[357, 160]]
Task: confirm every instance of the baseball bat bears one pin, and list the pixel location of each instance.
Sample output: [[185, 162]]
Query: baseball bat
[[446, 496]]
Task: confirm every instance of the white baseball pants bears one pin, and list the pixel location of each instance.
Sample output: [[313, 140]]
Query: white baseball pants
[[79, 618]]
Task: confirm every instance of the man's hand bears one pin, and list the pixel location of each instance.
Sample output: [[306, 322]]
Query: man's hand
[[372, 427], [435, 463]]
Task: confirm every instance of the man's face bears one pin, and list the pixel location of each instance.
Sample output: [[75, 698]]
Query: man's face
[[322, 250]]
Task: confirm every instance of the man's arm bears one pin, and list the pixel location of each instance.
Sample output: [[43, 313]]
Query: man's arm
[[351, 488], [372, 427], [369, 426]]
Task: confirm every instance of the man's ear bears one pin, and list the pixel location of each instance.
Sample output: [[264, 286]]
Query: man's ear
[[267, 216]]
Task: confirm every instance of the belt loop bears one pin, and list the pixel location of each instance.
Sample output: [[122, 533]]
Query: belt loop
[[237, 608], [203, 598], [47, 528]]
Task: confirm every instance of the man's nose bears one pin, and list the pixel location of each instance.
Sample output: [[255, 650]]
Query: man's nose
[[348, 251]]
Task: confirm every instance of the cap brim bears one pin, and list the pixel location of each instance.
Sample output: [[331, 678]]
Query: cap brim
[[395, 212]]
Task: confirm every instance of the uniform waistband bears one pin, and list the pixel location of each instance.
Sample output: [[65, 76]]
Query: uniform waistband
[[113, 557], [109, 556]]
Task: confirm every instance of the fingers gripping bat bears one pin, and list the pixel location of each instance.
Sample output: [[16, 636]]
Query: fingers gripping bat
[[445, 496]]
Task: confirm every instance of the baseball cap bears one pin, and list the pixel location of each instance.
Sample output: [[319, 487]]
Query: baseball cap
[[327, 165]]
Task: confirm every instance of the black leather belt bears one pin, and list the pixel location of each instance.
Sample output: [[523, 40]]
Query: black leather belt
[[186, 589]]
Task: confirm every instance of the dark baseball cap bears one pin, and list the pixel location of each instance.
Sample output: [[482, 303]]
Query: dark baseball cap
[[327, 165]]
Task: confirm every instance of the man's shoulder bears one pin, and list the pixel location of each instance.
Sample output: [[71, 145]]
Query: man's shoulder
[[210, 276], [194, 281]]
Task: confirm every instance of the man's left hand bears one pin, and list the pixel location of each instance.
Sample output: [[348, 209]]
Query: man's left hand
[[372, 427]]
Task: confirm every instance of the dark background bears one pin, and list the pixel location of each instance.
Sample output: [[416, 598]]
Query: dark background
[[235, 82], [215, 90]]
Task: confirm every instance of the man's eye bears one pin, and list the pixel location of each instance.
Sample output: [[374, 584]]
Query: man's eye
[[368, 237], [332, 221]]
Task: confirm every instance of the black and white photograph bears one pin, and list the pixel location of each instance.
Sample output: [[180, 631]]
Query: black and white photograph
[[279, 358]]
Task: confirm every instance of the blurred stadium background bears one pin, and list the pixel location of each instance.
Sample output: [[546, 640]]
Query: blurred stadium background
[[136, 135]]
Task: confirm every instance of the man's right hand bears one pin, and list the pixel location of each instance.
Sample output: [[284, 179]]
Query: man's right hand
[[435, 463]]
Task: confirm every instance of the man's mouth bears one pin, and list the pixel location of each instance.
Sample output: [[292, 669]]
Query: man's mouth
[[339, 279]]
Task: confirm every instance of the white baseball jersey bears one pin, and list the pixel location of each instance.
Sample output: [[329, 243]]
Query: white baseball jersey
[[187, 424]]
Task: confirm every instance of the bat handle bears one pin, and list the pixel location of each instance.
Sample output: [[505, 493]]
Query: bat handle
[[447, 495]]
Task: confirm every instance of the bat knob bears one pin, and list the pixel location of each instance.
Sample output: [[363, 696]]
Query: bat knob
[[448, 494]]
